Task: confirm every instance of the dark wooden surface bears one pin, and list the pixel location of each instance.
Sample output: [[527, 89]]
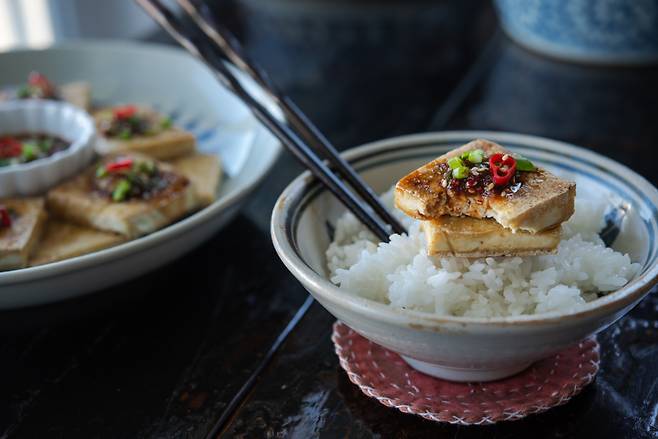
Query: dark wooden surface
[[168, 355]]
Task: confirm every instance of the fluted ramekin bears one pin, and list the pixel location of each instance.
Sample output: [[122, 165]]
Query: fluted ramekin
[[53, 118]]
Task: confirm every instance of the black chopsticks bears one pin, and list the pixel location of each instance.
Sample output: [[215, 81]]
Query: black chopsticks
[[216, 47]]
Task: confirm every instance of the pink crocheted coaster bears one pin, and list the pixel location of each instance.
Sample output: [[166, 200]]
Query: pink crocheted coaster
[[383, 375]]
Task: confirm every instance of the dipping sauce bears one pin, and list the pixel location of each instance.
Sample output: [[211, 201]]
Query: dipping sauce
[[22, 148]]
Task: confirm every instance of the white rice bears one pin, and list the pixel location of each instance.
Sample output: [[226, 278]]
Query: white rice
[[401, 274]]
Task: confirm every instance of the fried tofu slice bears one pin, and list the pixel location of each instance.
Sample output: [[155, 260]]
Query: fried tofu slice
[[542, 200], [164, 144], [62, 240], [205, 173], [18, 241], [77, 93], [79, 201], [475, 238]]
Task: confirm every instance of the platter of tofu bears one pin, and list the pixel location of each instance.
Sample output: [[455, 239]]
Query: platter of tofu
[[176, 158], [482, 200]]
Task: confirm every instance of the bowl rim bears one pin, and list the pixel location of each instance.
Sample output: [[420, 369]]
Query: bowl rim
[[83, 141], [246, 182], [324, 290]]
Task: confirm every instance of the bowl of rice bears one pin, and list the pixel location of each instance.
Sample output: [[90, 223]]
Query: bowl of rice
[[473, 319]]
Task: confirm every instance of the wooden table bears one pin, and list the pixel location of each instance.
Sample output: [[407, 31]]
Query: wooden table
[[225, 342]]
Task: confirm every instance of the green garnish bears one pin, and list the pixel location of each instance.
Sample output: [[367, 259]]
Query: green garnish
[[460, 172], [476, 156], [455, 163], [121, 190], [24, 92], [46, 144], [166, 123], [125, 134], [147, 167], [523, 164], [29, 151], [101, 171], [464, 155]]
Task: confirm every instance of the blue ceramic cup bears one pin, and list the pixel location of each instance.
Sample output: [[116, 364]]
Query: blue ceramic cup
[[591, 31]]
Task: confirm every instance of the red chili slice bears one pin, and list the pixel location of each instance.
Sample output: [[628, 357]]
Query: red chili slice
[[37, 79], [10, 147], [5, 219], [120, 164], [125, 112], [503, 168]]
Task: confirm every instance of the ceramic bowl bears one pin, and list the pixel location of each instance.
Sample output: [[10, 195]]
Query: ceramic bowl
[[49, 117], [183, 88], [463, 348], [591, 31]]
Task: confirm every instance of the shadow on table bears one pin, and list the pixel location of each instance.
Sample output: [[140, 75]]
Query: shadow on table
[[174, 345]]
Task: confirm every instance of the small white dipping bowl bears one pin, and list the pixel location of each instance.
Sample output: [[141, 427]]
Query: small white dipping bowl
[[48, 117], [463, 348]]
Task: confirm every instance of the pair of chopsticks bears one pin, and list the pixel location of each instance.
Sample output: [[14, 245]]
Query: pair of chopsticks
[[218, 49]]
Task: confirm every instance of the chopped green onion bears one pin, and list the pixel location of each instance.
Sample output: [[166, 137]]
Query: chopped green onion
[[121, 190], [147, 167], [46, 144], [29, 151], [125, 134], [523, 164], [132, 174], [476, 156], [460, 172], [24, 92], [166, 123], [464, 155], [101, 171], [455, 163]]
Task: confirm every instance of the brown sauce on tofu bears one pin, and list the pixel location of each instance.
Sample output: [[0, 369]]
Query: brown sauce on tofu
[[125, 179], [479, 182]]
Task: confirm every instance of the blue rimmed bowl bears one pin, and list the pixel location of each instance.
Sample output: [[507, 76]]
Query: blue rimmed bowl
[[591, 31], [467, 348]]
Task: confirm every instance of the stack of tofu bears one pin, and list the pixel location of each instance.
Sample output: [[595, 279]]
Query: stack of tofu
[[518, 221]]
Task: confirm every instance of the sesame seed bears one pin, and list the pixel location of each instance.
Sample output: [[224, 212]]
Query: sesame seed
[[505, 157]]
